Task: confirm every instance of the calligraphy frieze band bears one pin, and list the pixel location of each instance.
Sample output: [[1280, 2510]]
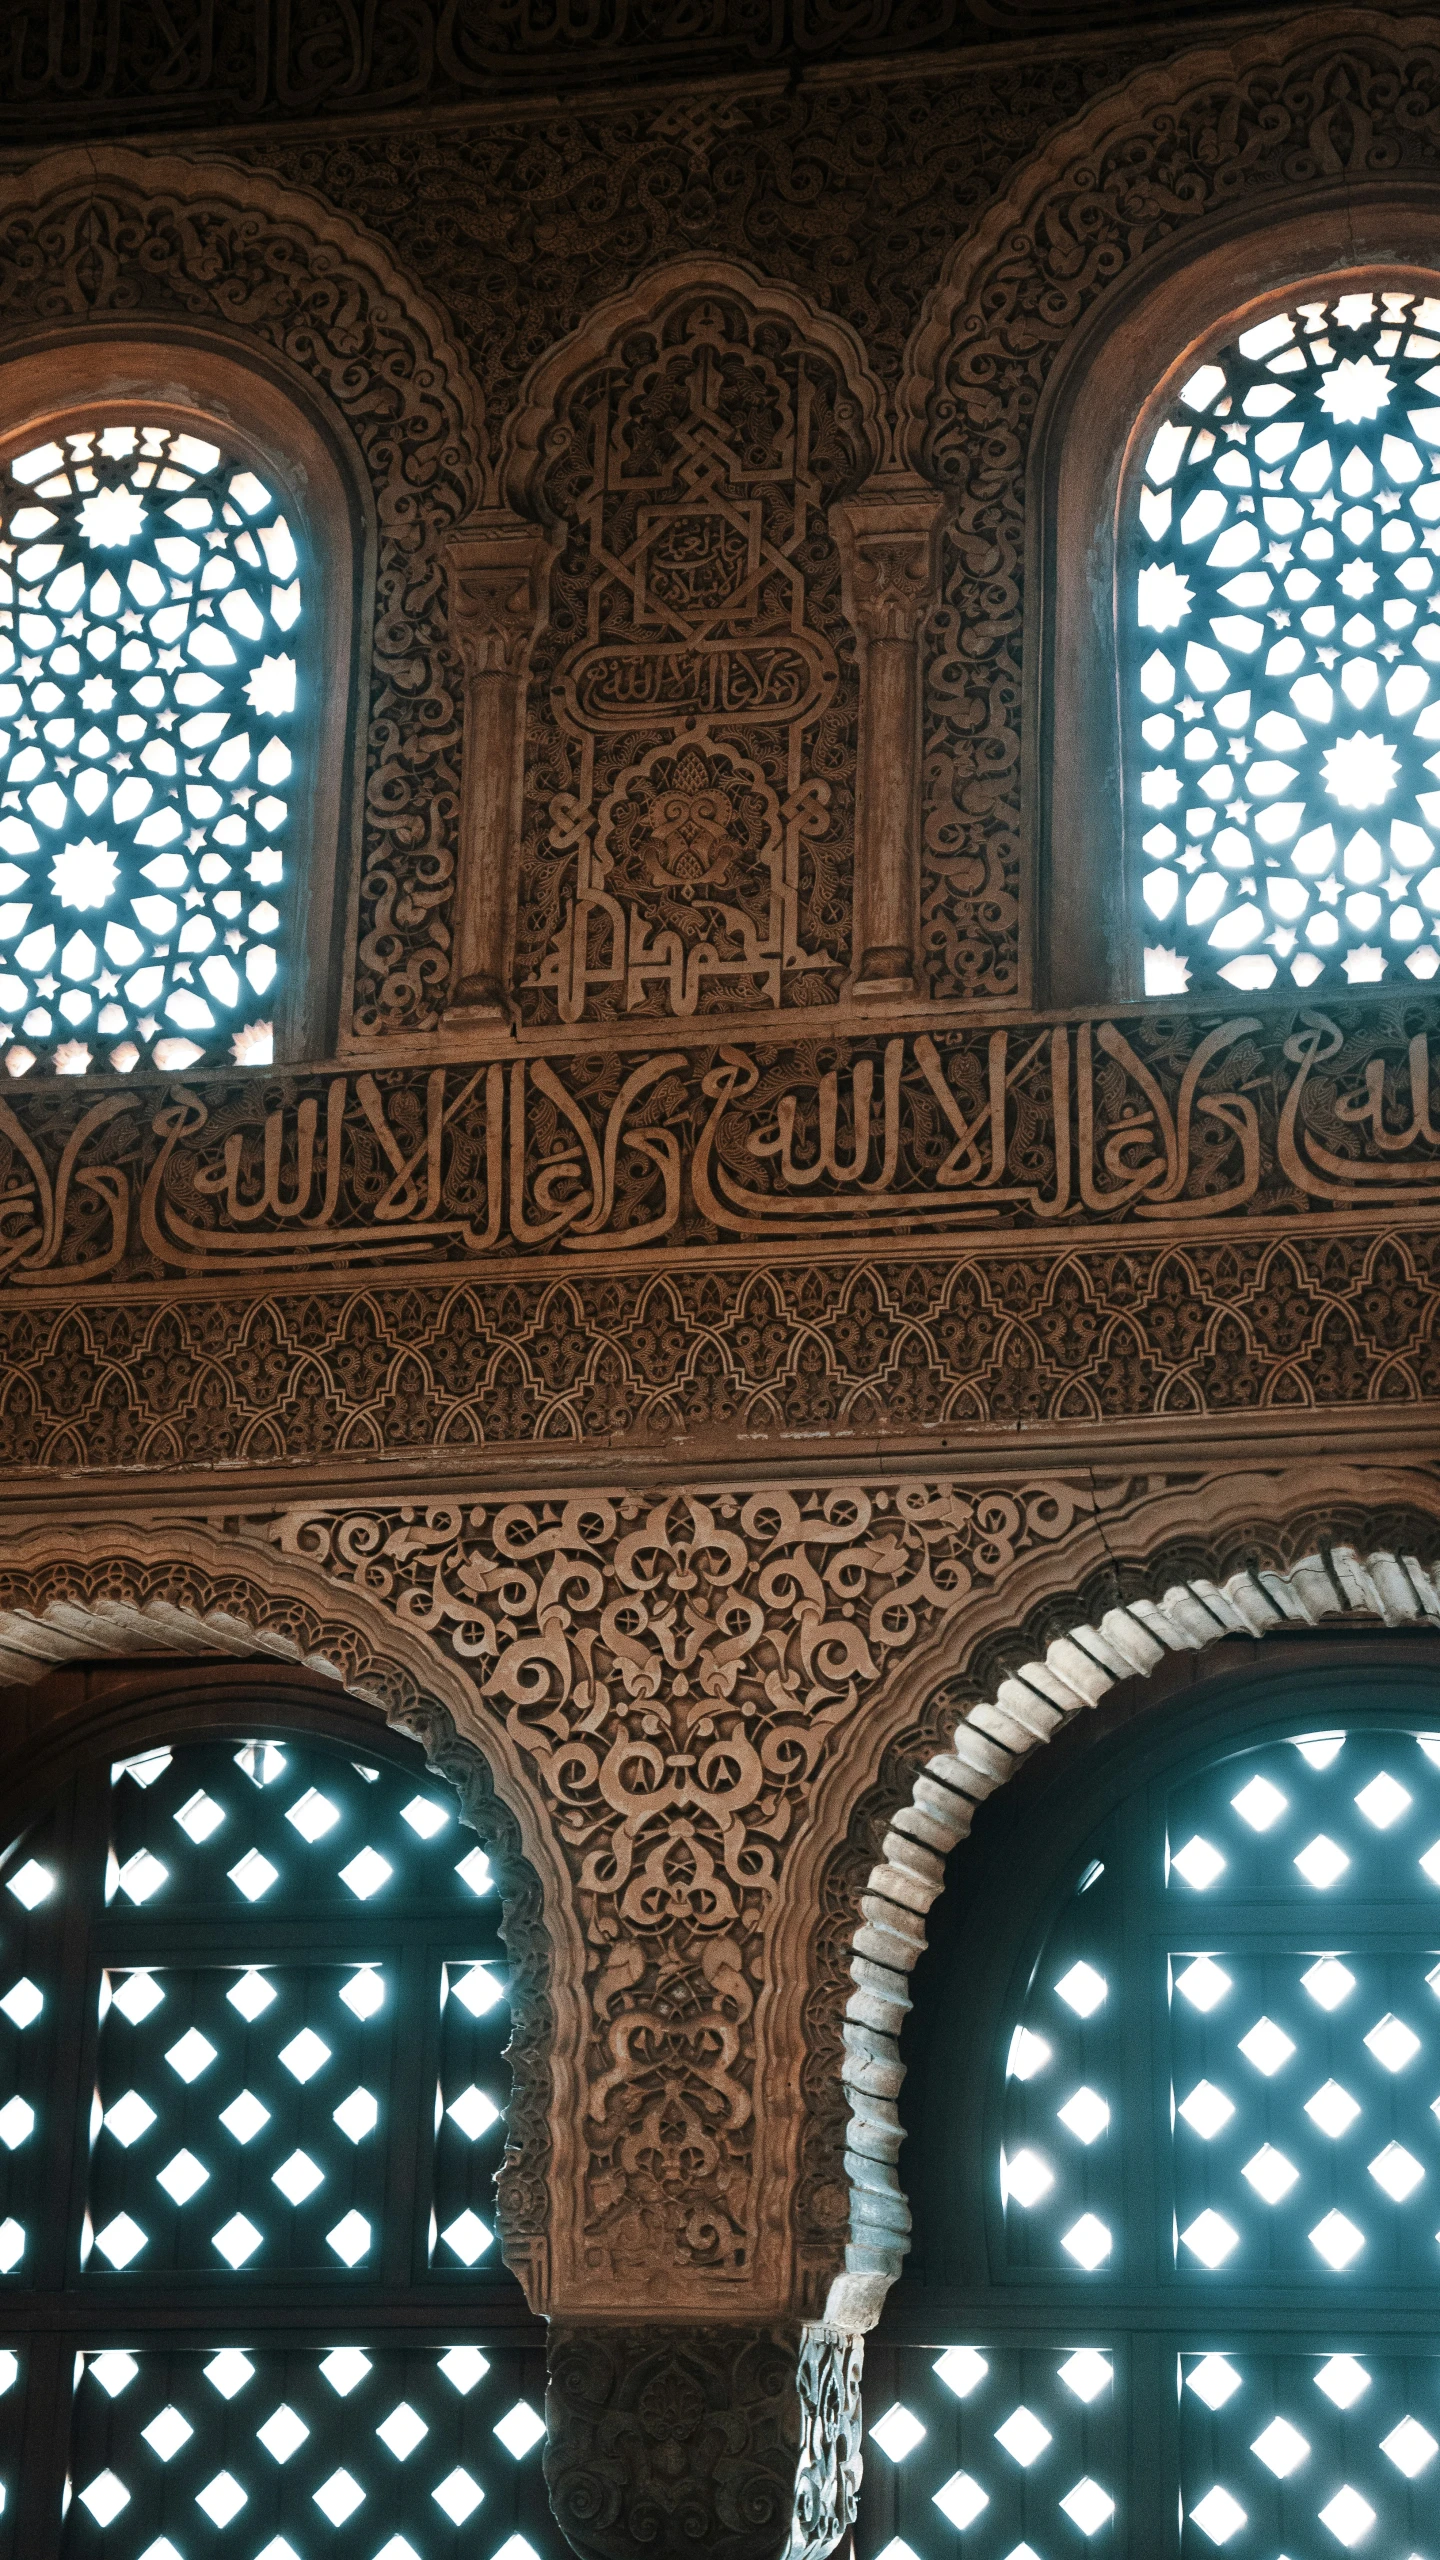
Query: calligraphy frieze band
[[1152, 1123]]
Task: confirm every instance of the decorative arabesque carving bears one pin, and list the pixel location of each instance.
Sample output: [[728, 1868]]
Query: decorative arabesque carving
[[1332, 98], [827, 2476], [691, 743], [113, 237], [673, 2442]]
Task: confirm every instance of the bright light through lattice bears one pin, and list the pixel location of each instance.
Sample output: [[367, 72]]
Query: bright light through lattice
[[1286, 583], [149, 594]]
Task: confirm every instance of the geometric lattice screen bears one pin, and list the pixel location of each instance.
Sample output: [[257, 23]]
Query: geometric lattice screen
[[149, 593], [1213, 2293], [253, 2011], [1283, 658]]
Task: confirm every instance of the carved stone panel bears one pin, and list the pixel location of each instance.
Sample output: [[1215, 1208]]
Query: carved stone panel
[[691, 743]]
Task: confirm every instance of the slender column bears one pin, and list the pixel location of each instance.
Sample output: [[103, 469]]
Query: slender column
[[888, 539], [499, 573], [731, 2442]]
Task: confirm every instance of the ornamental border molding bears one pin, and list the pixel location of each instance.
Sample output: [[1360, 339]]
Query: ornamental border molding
[[1284, 1582]]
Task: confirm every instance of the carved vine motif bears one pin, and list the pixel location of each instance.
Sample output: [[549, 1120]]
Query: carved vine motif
[[675, 1675], [1153, 163], [827, 2478], [687, 829], [139, 239]]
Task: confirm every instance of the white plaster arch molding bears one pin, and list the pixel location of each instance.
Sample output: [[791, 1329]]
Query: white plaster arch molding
[[125, 1591], [1334, 1585]]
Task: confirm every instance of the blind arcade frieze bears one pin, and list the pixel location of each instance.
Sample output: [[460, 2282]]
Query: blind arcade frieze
[[1149, 1122]]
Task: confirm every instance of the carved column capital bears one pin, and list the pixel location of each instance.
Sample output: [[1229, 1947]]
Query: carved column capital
[[736, 2442], [888, 537], [498, 570]]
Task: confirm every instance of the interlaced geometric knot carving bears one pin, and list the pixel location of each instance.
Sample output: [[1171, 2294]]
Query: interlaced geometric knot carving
[[675, 1675], [148, 592], [686, 839], [1282, 784]]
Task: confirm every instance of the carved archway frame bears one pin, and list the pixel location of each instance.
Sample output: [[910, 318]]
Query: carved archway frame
[[216, 284], [1197, 188]]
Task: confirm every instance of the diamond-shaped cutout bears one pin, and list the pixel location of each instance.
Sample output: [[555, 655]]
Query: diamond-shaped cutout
[[121, 2240], [305, 2054], [458, 2495], [898, 2432], [1342, 2379], [1384, 1800], [313, 1815], [1082, 1989], [1087, 2242], [1328, 1982], [1397, 2171], [253, 1875], [1271, 2174], [105, 2496], [244, 2116], [31, 1883], [12, 2243], [1337, 2240], [357, 2115], [251, 1995], [199, 1816], [222, 2498], [238, 2239], [350, 2238], [1086, 2115], [1393, 2043], [960, 2499], [468, 2236], [1026, 2178], [1088, 2506], [1348, 2516], [961, 2370], [1332, 2109], [283, 2433], [113, 2370], [229, 2372], [1199, 1864], [167, 2432], [1410, 2447], [1281, 2448], [1266, 2046], [473, 2112], [1210, 2238], [344, 2369], [1206, 2110], [298, 2177], [1214, 2380], [338, 2497], [22, 2003], [1319, 1749], [424, 1816], [1322, 1862], [366, 1873], [463, 2367], [129, 2117], [474, 1871], [519, 2430], [402, 2431], [182, 2177], [1086, 2373], [142, 1876], [1028, 2055], [1203, 1983], [192, 2054], [364, 1993], [1430, 1861], [477, 1989], [134, 1994], [1023, 2436], [1218, 2514], [1260, 1804]]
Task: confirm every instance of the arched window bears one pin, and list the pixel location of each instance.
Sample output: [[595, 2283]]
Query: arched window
[[252, 2011], [1175, 2075], [153, 741], [1281, 656]]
